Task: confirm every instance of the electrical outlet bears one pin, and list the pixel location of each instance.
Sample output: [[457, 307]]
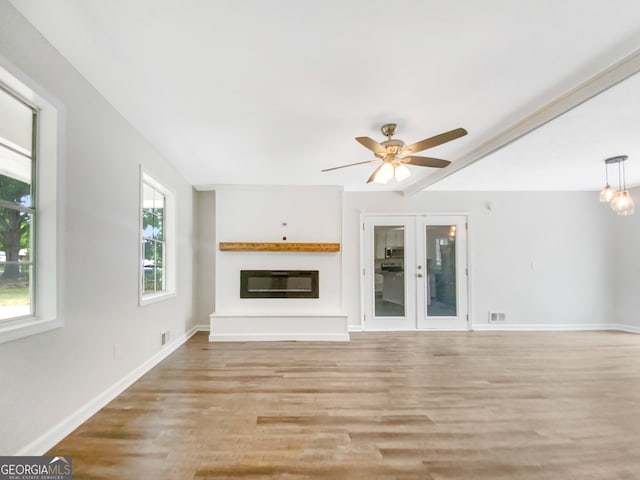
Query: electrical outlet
[[497, 317], [164, 338]]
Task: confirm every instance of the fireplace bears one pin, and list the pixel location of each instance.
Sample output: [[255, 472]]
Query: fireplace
[[279, 284]]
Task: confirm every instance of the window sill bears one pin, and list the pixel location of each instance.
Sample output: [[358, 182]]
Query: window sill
[[26, 326], [156, 297]]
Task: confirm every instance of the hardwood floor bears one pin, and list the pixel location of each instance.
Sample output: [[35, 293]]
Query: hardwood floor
[[481, 406]]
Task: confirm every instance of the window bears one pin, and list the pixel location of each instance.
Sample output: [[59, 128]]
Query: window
[[31, 280], [156, 238], [17, 210], [153, 239]]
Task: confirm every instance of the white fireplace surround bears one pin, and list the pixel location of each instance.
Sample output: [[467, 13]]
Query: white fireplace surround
[[277, 214], [234, 328]]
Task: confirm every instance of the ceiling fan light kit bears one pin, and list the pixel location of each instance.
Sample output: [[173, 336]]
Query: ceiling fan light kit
[[619, 200], [401, 172], [384, 173], [395, 155]]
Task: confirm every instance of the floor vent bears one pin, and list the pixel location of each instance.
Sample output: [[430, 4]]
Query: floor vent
[[497, 317]]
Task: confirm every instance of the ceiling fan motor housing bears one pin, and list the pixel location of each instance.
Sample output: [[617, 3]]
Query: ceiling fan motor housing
[[389, 129], [393, 146]]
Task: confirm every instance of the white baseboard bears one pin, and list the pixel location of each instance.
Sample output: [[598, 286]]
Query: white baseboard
[[625, 328], [279, 337], [542, 327], [58, 432], [355, 328]]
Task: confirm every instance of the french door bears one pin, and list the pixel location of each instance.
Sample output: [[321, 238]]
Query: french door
[[415, 272]]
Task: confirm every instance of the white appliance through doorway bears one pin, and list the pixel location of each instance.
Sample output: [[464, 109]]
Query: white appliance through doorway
[[415, 272]]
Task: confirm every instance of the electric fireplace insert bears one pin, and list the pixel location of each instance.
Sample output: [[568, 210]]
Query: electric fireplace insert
[[279, 284]]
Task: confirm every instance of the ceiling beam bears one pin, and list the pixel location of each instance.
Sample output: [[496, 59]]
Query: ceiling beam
[[600, 82]]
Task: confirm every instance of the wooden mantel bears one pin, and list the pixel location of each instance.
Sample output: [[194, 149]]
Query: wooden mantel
[[278, 247]]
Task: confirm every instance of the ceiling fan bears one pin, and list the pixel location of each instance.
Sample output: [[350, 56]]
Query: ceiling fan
[[395, 155]]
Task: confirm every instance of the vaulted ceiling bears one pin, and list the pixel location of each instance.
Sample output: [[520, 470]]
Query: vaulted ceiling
[[273, 91]]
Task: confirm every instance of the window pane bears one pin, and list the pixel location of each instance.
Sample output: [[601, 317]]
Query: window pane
[[15, 174], [153, 266], [159, 223], [153, 213], [149, 222], [159, 254], [147, 197], [159, 279], [12, 189], [148, 265], [148, 218], [16, 124], [158, 200], [15, 300], [15, 263], [159, 266]]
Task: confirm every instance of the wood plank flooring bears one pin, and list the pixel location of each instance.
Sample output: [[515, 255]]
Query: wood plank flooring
[[481, 406]]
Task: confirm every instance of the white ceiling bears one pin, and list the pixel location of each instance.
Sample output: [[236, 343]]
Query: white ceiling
[[273, 91]]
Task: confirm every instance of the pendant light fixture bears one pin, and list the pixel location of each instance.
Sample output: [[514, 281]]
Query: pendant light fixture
[[619, 200], [607, 193]]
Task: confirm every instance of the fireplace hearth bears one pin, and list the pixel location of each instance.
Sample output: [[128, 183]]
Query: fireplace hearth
[[279, 284]]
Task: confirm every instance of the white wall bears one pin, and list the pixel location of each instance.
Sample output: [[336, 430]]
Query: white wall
[[543, 258], [48, 377], [205, 252], [256, 214], [626, 276]]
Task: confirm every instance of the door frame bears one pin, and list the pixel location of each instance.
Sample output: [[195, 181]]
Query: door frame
[[363, 264]]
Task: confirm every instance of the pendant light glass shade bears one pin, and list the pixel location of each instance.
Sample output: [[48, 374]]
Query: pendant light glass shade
[[622, 203], [607, 194]]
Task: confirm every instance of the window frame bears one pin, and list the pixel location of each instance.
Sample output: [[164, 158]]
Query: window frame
[[169, 255], [47, 281]]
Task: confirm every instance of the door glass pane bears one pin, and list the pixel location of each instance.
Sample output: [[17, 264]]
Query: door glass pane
[[389, 271], [441, 271]]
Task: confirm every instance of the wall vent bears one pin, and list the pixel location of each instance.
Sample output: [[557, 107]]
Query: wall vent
[[164, 338], [497, 317]]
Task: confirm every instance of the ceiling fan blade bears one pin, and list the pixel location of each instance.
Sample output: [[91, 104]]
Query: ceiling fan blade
[[372, 145], [349, 165], [373, 175], [425, 161], [434, 141]]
